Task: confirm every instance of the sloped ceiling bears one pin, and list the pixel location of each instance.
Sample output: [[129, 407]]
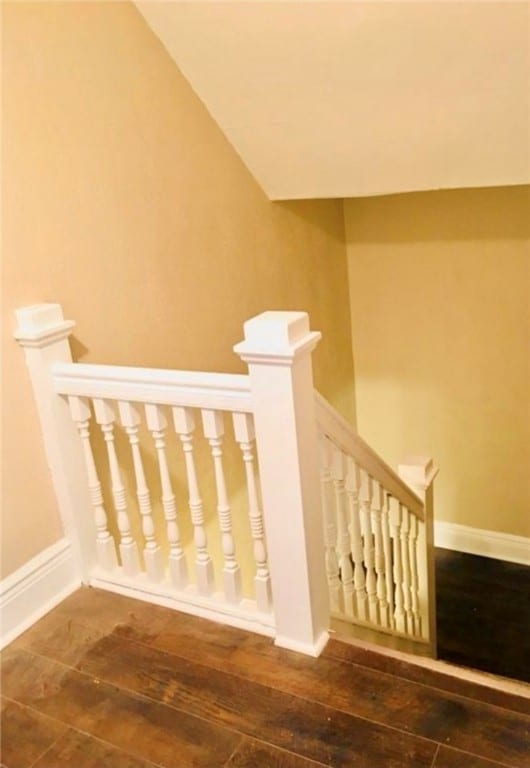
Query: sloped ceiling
[[345, 99]]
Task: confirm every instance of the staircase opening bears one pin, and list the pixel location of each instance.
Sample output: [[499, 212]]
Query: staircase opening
[[483, 613]]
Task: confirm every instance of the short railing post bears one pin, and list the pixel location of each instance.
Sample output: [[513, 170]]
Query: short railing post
[[418, 472], [277, 349], [43, 333]]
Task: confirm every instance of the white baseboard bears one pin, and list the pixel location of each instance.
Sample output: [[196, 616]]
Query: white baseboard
[[310, 649], [187, 600], [477, 541], [35, 588]]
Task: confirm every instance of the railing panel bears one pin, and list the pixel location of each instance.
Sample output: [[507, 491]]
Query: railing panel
[[165, 554], [153, 541], [378, 563]]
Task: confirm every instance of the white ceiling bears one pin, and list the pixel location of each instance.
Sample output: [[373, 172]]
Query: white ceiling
[[345, 99]]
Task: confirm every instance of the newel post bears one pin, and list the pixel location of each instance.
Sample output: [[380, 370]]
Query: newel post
[[418, 472], [277, 349], [43, 334]]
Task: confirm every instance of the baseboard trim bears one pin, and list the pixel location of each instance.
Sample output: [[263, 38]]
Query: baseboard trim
[[213, 607], [477, 541], [34, 589], [310, 649]]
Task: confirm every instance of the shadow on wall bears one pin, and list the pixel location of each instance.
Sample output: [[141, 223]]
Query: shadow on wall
[[451, 214], [309, 211], [337, 342]]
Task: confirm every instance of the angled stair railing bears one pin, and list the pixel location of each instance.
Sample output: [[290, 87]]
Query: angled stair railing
[[378, 531], [201, 491]]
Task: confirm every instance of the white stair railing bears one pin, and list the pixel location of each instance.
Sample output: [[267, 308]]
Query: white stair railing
[[144, 472], [130, 528], [388, 552]]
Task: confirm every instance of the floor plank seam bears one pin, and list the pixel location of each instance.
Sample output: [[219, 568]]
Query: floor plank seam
[[257, 739], [160, 668], [43, 753], [243, 735], [336, 659], [234, 751], [494, 763], [137, 756], [181, 710], [68, 726], [435, 756], [442, 690]]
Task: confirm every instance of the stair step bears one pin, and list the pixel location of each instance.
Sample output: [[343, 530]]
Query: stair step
[[493, 689]]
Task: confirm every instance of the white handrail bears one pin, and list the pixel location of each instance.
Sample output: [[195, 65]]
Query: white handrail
[[195, 389], [343, 435]]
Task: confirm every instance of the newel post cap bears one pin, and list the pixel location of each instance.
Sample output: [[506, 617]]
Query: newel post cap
[[277, 337], [41, 324], [417, 471]]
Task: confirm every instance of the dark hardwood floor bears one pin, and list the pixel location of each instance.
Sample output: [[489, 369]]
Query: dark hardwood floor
[[106, 681], [483, 613]]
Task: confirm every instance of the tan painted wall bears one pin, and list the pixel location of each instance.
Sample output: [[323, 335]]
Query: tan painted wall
[[440, 301], [124, 202]]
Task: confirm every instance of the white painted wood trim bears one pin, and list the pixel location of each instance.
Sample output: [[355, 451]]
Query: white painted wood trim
[[478, 541], [35, 588], [43, 333], [277, 348], [309, 649], [196, 389], [187, 600], [343, 434], [486, 679]]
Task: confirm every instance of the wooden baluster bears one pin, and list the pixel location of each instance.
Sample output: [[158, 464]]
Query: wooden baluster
[[353, 484], [105, 417], [130, 419], [343, 536], [387, 549], [213, 428], [157, 425], [330, 528], [368, 547], [184, 426], [245, 436], [418, 472], [105, 548], [380, 565], [405, 561], [414, 581], [395, 528]]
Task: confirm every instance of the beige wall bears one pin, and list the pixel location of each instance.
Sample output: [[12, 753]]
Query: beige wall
[[440, 302], [124, 202]]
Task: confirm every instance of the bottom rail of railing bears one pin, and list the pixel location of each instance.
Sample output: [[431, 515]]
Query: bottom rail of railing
[[344, 618], [244, 615]]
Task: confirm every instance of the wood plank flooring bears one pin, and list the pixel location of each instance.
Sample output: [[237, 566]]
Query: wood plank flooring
[[483, 613], [104, 680]]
